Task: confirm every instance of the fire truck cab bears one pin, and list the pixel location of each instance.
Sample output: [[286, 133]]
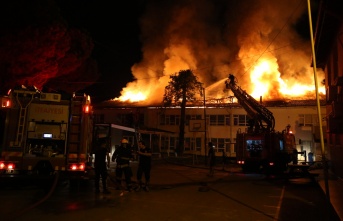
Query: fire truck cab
[[270, 152], [45, 133]]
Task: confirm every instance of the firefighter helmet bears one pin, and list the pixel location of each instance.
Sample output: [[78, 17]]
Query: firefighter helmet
[[124, 141]]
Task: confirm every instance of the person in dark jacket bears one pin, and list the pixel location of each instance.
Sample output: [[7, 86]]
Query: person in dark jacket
[[123, 155], [101, 163], [144, 166], [211, 158]]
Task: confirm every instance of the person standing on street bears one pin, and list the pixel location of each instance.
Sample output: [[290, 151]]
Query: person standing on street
[[122, 155], [224, 159], [101, 163], [211, 158], [144, 166]]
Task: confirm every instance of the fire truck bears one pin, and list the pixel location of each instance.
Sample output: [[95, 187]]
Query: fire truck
[[45, 133], [260, 148]]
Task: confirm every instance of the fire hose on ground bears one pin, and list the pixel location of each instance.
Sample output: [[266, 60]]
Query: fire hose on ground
[[52, 189]]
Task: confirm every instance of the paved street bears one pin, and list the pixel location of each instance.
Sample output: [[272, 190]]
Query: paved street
[[180, 193]]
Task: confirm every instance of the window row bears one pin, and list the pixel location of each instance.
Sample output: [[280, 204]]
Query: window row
[[195, 143], [212, 120], [310, 119]]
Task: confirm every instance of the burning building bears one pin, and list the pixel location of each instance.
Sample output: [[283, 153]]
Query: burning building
[[265, 44], [218, 121]]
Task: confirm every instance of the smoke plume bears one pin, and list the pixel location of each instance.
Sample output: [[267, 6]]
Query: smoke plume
[[216, 38]]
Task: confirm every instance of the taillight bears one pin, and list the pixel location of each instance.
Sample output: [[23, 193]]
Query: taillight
[[271, 163], [8, 166], [240, 161], [82, 167], [77, 167]]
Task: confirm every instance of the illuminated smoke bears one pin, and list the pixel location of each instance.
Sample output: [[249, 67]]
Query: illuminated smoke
[[254, 40]]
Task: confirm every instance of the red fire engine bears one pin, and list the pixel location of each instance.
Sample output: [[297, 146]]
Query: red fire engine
[[260, 147], [45, 133]]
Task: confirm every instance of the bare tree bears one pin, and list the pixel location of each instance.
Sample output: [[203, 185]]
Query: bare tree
[[37, 47], [182, 87]]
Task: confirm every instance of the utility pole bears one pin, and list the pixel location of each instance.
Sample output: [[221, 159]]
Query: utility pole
[[205, 126], [325, 163]]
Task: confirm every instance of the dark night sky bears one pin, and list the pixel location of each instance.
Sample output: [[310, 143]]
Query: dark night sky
[[115, 31], [144, 41]]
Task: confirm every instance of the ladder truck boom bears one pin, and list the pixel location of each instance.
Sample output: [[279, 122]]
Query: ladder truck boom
[[262, 117]]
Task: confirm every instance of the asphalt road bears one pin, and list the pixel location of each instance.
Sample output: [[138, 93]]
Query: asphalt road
[[177, 193]]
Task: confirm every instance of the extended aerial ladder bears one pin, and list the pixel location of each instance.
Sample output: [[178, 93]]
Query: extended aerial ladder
[[263, 119]]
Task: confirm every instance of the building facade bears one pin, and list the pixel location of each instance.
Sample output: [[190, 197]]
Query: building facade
[[159, 127], [329, 57]]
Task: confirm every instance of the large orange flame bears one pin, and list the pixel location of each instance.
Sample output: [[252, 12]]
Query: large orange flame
[[266, 81]]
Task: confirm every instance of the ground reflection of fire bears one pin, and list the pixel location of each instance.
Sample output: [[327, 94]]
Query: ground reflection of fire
[[264, 52]]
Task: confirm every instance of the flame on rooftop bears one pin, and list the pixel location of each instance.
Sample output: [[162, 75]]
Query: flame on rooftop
[[259, 46]]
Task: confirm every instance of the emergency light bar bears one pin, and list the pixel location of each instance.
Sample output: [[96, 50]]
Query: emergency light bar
[[86, 109]]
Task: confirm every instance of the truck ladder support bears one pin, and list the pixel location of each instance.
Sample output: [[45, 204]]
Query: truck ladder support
[[22, 113]]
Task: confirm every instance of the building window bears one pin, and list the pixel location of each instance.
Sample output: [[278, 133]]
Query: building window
[[192, 144], [198, 144], [227, 120], [221, 144], [162, 119], [188, 144], [219, 120], [305, 143], [213, 120], [173, 143], [165, 144], [125, 119], [240, 120], [169, 120], [305, 120], [192, 117]]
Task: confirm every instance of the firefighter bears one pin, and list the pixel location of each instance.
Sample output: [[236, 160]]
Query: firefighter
[[101, 163], [144, 166], [295, 156], [122, 155], [211, 158], [224, 159]]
